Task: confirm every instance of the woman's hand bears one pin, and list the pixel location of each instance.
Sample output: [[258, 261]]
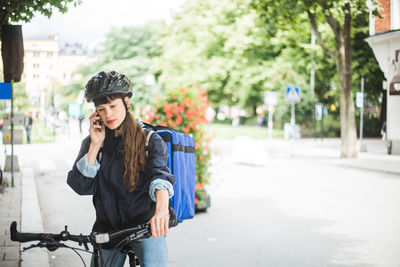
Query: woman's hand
[[97, 132], [159, 222]]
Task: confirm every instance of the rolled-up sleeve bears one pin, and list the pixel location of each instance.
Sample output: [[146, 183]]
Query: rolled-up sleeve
[[87, 169], [80, 183], [159, 184]]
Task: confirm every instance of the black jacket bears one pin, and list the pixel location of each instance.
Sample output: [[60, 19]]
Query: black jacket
[[115, 206]]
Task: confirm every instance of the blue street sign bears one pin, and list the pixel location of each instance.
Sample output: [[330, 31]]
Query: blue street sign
[[5, 90], [292, 94]]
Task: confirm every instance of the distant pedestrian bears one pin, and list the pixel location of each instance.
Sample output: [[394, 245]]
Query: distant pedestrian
[[383, 131], [81, 118], [28, 126], [261, 121]]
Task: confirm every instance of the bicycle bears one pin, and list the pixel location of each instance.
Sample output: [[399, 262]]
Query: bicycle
[[54, 241]]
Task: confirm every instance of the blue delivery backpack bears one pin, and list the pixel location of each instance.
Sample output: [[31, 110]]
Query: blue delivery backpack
[[181, 162]]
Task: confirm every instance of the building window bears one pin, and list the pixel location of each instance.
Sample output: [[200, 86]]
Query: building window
[[395, 14], [35, 76], [49, 54], [36, 54], [35, 66]]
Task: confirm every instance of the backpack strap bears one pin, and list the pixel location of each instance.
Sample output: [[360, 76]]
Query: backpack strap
[[148, 133]]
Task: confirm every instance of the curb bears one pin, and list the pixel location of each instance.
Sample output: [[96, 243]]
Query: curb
[[31, 221]]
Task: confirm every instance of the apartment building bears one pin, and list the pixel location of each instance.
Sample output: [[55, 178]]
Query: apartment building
[[40, 68], [385, 42], [48, 65]]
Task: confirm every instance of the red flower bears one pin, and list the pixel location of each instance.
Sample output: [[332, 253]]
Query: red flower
[[179, 120], [167, 107], [186, 130], [196, 201], [176, 111]]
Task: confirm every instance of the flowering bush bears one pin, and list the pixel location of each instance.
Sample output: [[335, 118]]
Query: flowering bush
[[185, 110]]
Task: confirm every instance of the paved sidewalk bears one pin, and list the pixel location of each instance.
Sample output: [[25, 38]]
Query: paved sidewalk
[[10, 210]]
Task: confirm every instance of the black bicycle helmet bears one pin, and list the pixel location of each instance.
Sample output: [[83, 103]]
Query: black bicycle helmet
[[107, 83]]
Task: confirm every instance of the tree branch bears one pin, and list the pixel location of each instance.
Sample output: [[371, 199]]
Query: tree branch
[[7, 12], [347, 20], [314, 25], [333, 23]]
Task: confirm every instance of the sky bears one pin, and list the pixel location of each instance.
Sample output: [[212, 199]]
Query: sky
[[89, 22]]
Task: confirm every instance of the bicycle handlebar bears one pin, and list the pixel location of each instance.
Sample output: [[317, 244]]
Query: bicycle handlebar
[[139, 231], [46, 237]]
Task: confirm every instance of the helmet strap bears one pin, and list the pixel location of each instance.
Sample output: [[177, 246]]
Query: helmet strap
[[126, 113]]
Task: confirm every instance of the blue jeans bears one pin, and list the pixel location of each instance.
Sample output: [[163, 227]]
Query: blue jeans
[[152, 252], [28, 135]]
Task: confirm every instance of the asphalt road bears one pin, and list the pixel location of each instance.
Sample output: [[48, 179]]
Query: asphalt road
[[284, 211]]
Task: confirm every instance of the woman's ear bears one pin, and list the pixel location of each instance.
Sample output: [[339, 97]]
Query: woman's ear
[[126, 99]]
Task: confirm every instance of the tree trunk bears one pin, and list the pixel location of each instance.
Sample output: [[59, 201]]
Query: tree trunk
[[348, 130]]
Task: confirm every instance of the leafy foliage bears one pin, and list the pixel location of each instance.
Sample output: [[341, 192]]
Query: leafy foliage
[[128, 50], [222, 45], [24, 10], [347, 22], [185, 110]]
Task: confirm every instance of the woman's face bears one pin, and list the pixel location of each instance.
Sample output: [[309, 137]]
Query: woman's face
[[112, 113]]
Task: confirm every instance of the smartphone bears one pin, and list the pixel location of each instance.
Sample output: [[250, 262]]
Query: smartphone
[[99, 122]]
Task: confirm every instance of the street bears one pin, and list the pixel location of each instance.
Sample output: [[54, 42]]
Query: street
[[293, 208]]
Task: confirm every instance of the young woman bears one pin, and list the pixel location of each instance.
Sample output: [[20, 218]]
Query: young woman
[[129, 186]]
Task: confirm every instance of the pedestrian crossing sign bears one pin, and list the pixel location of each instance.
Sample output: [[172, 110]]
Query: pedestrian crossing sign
[[292, 94]]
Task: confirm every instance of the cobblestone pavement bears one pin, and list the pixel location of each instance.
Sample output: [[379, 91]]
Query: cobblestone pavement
[[10, 210]]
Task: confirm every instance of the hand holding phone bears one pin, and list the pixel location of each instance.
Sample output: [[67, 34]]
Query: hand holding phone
[[97, 131], [98, 122]]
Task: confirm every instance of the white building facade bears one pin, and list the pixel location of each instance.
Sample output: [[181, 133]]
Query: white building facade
[[385, 43]]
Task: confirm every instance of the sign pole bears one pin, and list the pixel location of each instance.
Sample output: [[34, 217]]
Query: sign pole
[[270, 121], [322, 124], [271, 100], [292, 119], [12, 134], [363, 147], [362, 110]]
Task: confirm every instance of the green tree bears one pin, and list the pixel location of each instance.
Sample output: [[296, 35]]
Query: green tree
[[21, 99], [222, 45], [128, 50], [24, 10], [339, 15]]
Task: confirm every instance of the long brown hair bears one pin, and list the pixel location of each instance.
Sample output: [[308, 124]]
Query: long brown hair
[[134, 140]]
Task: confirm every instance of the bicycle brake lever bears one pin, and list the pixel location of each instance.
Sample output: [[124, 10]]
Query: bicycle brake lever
[[40, 245], [86, 246]]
